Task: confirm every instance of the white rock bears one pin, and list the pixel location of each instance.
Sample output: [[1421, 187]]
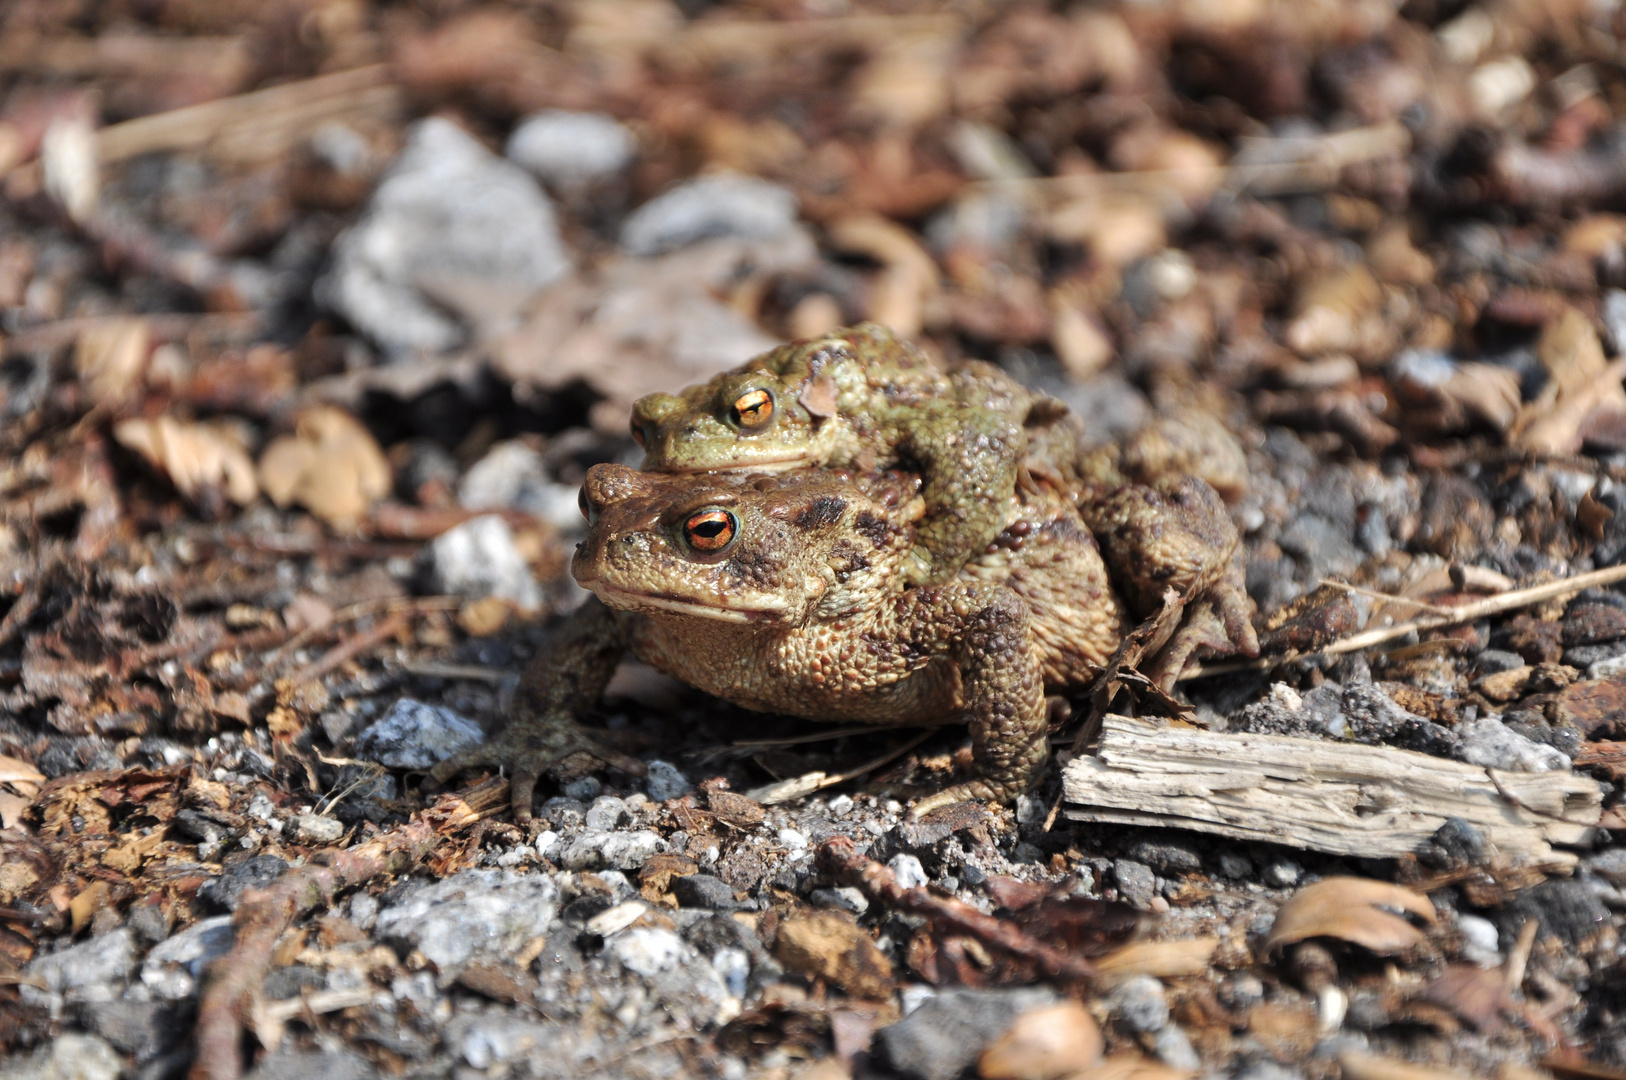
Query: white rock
[[721, 204], [93, 970], [69, 1056], [479, 558], [172, 968], [594, 850], [907, 869], [475, 913], [1481, 943], [647, 949], [1492, 744], [570, 150], [1607, 669], [451, 227], [317, 829], [792, 839], [606, 813], [416, 735]]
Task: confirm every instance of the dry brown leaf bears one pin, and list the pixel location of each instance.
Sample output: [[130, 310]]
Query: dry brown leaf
[[1581, 384], [1132, 1066], [1351, 909], [1044, 1044], [12, 771], [199, 459], [1118, 229], [1081, 344], [109, 357], [485, 616], [1162, 959], [331, 465], [1477, 995], [1339, 312], [908, 278], [1370, 1067], [1392, 257], [12, 810], [84, 906], [825, 945]]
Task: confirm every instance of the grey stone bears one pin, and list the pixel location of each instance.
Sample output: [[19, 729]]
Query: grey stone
[[1374, 717], [1491, 661], [664, 781], [1265, 1069], [1233, 866], [142, 1029], [1139, 1004], [606, 813], [1614, 319], [69, 1056], [704, 891], [317, 829], [479, 558], [942, 1037], [291, 1064], [845, 898], [1493, 745], [583, 789], [647, 950], [171, 970], [1168, 856], [1135, 880], [721, 204], [93, 970], [512, 476], [1282, 873], [1174, 1049], [450, 228], [417, 735], [570, 150], [1609, 864], [595, 850], [255, 872], [484, 1041], [1586, 656], [1456, 843], [471, 915]]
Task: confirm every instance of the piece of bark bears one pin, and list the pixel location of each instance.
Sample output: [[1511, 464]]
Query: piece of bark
[[1344, 798]]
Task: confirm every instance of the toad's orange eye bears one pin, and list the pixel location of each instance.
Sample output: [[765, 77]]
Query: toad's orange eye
[[581, 501], [753, 409], [711, 530], [637, 433]]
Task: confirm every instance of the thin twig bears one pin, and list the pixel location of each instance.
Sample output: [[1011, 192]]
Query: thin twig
[[806, 784], [339, 654], [235, 978], [1491, 605], [841, 860], [1421, 605]]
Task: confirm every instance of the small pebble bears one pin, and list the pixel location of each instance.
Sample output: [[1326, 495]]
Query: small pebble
[[1174, 1049], [583, 789], [840, 806], [845, 898], [1136, 882], [606, 813], [317, 829], [664, 781], [416, 735], [794, 840], [1282, 874], [907, 869], [1609, 864], [1055, 1040], [1480, 944], [1233, 866], [1139, 1004]]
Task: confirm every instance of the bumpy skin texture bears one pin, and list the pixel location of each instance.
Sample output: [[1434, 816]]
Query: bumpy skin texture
[[805, 608], [860, 398]]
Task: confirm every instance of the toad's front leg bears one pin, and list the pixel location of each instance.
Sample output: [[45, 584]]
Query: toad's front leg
[[563, 682], [1001, 684]]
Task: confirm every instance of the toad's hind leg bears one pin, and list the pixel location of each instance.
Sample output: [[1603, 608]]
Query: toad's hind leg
[[1002, 685]]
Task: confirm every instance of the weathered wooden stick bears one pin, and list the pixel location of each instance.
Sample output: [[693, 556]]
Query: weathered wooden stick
[[1344, 798]]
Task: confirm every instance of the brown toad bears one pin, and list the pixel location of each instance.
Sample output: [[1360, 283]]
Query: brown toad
[[790, 593]]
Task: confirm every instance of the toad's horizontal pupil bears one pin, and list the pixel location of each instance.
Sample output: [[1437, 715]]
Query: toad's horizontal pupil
[[711, 528]]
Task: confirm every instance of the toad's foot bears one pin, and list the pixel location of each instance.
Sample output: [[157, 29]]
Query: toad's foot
[[529, 746], [1179, 537]]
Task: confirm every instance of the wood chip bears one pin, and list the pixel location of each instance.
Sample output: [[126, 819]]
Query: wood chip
[[1368, 801]]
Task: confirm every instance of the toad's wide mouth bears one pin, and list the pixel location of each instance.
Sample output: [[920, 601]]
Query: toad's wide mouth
[[771, 465], [633, 600]]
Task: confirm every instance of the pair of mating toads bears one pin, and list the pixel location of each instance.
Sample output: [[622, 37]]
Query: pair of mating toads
[[841, 531]]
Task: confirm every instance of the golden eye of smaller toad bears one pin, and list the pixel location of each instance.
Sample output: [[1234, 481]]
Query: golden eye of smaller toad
[[710, 530], [753, 408], [637, 433]]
